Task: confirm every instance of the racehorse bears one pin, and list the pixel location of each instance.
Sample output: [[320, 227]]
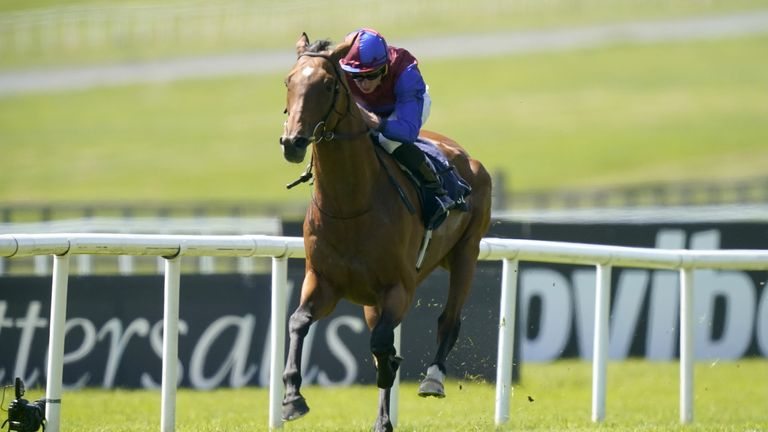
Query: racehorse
[[360, 238]]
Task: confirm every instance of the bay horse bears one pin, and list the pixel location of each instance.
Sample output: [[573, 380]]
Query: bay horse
[[361, 241]]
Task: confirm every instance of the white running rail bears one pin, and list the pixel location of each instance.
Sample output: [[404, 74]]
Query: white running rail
[[510, 252]]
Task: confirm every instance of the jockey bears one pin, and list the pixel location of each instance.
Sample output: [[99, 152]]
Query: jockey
[[390, 92]]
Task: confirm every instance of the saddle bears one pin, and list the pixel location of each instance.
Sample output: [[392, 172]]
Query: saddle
[[435, 209]]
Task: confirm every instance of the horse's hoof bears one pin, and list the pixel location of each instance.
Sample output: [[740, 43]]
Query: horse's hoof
[[383, 425], [295, 409], [432, 384], [431, 387]]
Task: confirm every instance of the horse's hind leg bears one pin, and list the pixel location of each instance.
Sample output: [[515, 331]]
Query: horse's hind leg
[[463, 265], [382, 321], [384, 353]]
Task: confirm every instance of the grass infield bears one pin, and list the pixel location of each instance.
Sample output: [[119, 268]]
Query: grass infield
[[593, 117]]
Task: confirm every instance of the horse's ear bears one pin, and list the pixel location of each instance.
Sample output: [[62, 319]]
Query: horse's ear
[[302, 44], [343, 48]]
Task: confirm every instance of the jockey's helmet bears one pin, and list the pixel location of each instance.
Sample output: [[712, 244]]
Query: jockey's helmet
[[369, 52]]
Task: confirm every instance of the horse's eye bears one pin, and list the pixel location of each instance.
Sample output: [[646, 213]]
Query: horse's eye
[[285, 111]]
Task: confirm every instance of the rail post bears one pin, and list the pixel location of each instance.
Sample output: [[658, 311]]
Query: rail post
[[277, 339], [56, 341], [686, 345], [600, 348], [170, 344], [506, 339]]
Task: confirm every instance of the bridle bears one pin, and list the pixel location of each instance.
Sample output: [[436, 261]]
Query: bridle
[[322, 132]]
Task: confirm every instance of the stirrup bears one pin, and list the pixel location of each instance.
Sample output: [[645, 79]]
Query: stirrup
[[423, 248]]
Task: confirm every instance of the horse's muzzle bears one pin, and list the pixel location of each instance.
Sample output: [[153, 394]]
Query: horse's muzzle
[[294, 148]]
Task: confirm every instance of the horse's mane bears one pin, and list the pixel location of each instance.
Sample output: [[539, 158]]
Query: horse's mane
[[319, 46]]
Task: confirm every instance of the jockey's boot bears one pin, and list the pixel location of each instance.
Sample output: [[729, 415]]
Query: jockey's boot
[[414, 159], [430, 181]]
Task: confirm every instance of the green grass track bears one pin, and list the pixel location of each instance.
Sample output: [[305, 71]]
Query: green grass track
[[641, 396]]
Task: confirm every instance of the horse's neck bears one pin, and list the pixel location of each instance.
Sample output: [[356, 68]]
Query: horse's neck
[[345, 170]]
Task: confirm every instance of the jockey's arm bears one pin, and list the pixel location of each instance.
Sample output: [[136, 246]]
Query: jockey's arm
[[405, 124]]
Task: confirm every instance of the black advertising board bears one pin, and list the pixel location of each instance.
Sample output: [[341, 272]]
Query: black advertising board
[[113, 336]]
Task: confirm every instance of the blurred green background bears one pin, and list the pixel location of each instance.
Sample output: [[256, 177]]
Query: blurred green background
[[610, 115]]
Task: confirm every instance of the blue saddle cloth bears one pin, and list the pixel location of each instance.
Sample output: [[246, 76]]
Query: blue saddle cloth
[[435, 208]]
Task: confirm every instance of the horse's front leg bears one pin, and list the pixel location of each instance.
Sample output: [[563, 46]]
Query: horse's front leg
[[315, 304], [294, 405]]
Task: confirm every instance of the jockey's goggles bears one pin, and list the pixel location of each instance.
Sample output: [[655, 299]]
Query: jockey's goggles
[[370, 76]]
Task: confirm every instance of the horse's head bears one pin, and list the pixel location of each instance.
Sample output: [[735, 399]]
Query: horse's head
[[313, 85]]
